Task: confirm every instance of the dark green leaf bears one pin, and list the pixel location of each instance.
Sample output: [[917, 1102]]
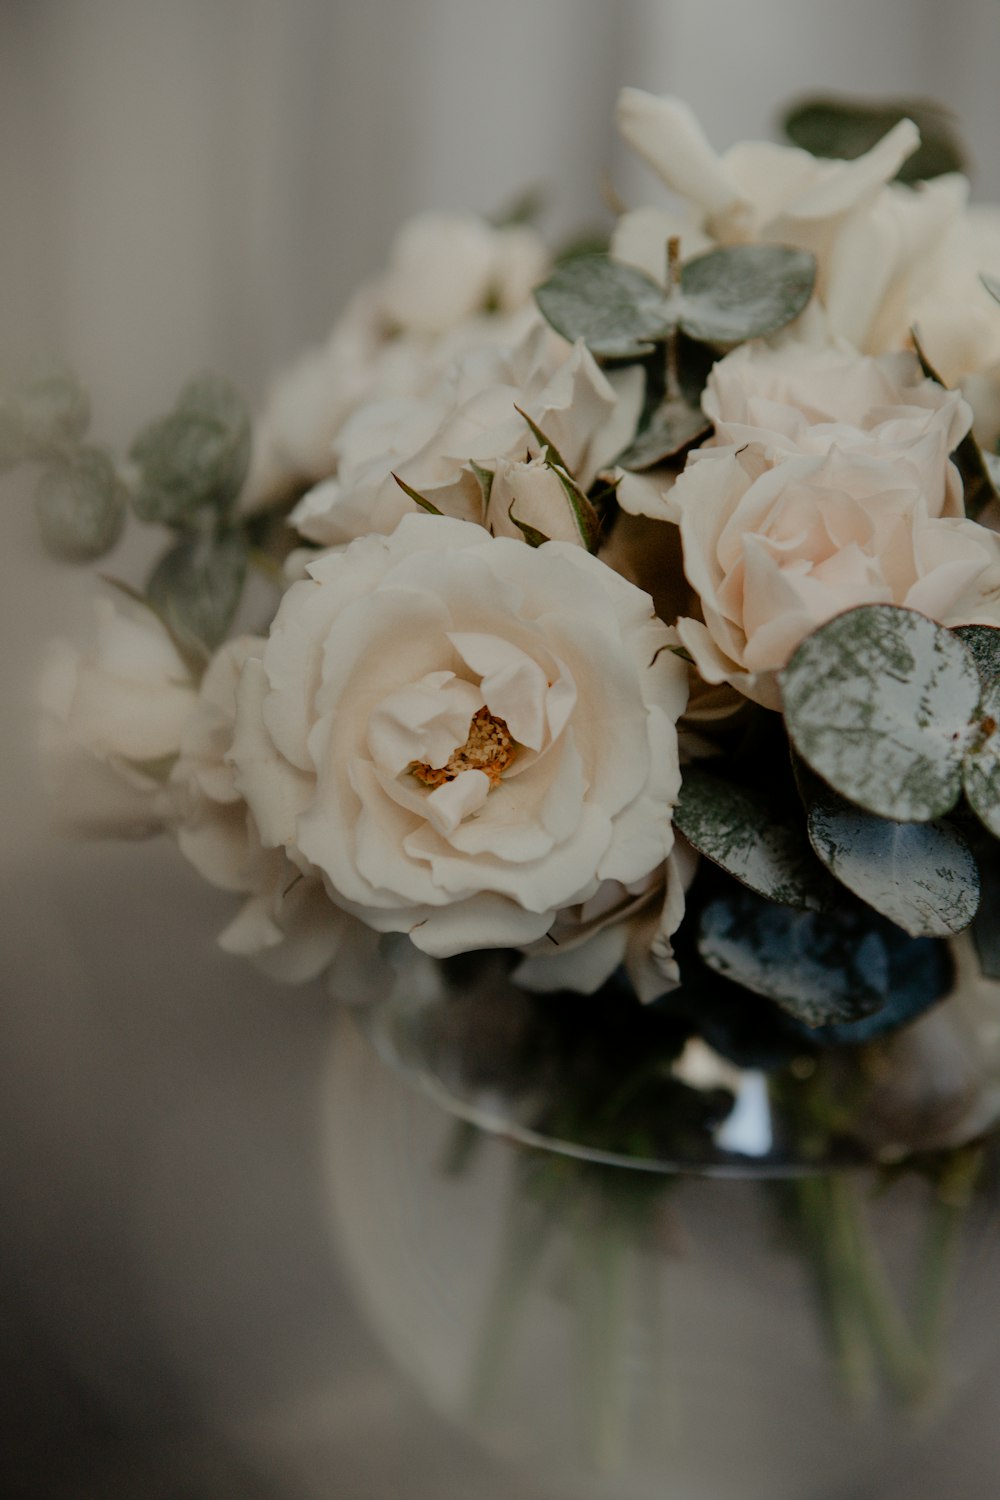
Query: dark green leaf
[[847, 128], [198, 583], [922, 876], [877, 702], [617, 310], [196, 457], [981, 770], [416, 496], [744, 291], [81, 504], [675, 427], [824, 968], [984, 643], [738, 829]]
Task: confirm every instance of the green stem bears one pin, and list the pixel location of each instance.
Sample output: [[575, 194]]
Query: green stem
[[832, 1248], [939, 1261], [603, 1259]]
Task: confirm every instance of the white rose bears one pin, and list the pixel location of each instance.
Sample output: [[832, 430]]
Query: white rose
[[821, 502], [463, 734], [872, 238], [470, 417], [286, 924], [446, 267], [113, 718]]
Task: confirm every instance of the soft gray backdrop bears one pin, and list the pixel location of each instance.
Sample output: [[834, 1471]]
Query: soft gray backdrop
[[201, 184]]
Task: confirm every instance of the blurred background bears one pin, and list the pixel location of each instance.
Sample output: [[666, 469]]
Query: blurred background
[[201, 185]]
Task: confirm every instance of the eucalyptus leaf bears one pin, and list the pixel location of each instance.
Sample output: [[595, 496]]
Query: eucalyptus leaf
[[823, 968], [737, 828], [617, 310], [984, 643], [53, 411], [80, 505], [744, 292], [981, 769], [675, 427], [196, 457], [923, 972], [922, 876], [847, 128], [197, 585], [877, 702]]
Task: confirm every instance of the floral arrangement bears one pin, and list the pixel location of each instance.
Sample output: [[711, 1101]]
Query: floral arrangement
[[635, 612]]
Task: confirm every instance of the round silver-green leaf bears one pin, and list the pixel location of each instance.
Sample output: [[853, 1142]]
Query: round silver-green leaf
[[616, 309], [198, 584], [922, 876], [984, 643], [675, 426], [194, 458], [734, 827], [981, 770], [877, 702], [80, 506], [744, 292]]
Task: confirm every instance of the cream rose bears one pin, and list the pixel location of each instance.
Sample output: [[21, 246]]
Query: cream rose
[[464, 735], [872, 238], [471, 417], [286, 924], [830, 485], [113, 718]]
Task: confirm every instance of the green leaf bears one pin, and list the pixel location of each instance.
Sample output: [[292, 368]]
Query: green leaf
[[877, 702], [197, 585], [196, 457], [981, 768], [847, 128], [744, 292], [984, 643], [531, 534], [738, 829], [922, 876], [675, 427], [588, 523], [824, 968], [53, 411], [417, 497], [617, 310], [80, 505], [485, 479]]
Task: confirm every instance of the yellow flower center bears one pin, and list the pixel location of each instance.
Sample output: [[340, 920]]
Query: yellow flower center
[[489, 748]]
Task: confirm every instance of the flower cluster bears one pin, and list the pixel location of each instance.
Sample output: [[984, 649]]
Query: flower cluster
[[649, 624]]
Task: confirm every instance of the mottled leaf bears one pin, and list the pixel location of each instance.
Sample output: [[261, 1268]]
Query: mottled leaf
[[877, 702], [847, 128], [984, 643], [737, 828], [674, 427], [617, 310], [80, 505], [824, 968], [922, 876], [198, 584], [194, 458], [981, 769], [744, 292]]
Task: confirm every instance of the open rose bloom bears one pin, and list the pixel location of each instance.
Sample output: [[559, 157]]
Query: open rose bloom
[[556, 599]]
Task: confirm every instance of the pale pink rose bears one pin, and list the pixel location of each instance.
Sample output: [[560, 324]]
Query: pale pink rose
[[812, 501], [439, 649]]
